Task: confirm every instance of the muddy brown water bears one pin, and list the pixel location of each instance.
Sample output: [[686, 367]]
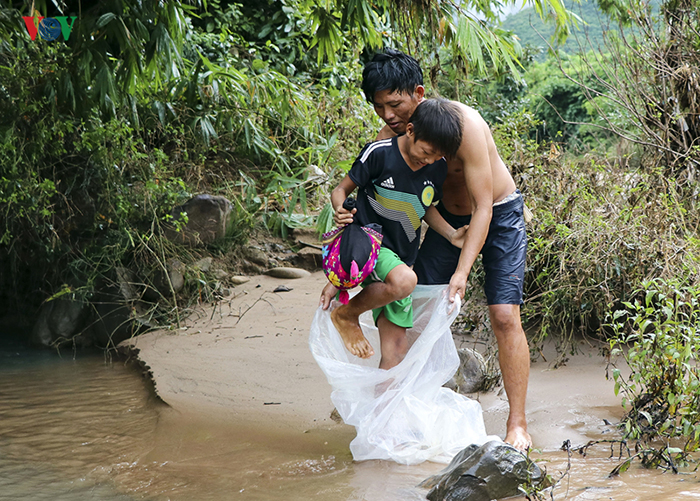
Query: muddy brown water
[[78, 427]]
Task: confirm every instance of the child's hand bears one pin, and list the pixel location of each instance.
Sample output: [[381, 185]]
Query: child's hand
[[341, 217], [459, 236], [327, 295]]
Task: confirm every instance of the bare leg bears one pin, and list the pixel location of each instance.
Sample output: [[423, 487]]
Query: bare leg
[[514, 358], [399, 283], [394, 343]]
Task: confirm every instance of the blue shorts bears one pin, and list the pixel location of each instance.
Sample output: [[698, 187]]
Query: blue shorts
[[503, 253]]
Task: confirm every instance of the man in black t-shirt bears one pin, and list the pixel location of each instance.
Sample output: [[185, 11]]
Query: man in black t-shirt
[[398, 180]]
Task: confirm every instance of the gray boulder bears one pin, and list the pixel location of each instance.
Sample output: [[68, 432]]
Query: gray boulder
[[115, 319], [118, 312], [492, 471], [310, 257], [207, 220], [255, 255], [58, 321], [165, 284]]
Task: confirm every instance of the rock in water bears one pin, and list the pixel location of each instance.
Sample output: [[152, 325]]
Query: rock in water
[[287, 273], [492, 471], [58, 321]]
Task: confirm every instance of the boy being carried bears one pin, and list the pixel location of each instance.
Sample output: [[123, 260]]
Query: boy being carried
[[398, 180]]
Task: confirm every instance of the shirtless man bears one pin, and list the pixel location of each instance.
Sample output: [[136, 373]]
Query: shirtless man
[[478, 191]]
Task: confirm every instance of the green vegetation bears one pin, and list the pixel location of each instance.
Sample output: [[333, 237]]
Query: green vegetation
[[662, 393], [533, 32]]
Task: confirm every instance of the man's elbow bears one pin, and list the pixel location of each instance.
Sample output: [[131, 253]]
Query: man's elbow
[[483, 211]]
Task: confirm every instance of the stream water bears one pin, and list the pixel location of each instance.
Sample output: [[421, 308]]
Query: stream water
[[79, 427]]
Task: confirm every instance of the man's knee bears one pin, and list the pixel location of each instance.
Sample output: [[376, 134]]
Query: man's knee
[[402, 280], [505, 319]]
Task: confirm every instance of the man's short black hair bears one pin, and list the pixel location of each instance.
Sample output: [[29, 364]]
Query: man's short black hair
[[392, 70], [438, 122]]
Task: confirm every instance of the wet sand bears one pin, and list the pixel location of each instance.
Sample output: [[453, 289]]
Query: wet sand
[[249, 360]]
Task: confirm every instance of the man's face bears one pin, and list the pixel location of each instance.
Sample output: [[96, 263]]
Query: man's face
[[395, 108]]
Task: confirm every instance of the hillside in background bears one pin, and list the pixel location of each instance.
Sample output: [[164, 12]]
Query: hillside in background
[[533, 32]]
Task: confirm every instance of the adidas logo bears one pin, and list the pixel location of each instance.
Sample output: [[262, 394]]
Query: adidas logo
[[388, 183]]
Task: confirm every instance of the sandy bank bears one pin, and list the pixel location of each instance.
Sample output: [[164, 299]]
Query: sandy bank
[[249, 359]]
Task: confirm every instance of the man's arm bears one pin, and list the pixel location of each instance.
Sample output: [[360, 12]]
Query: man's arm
[[385, 133], [474, 155]]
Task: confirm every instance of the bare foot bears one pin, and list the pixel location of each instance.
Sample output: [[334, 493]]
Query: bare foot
[[518, 437], [351, 333]]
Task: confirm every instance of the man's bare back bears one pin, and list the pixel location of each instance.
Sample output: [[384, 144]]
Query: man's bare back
[[455, 196]]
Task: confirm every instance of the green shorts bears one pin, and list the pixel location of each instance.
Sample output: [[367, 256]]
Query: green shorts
[[397, 312]]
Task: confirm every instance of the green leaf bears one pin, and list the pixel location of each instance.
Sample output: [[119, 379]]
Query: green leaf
[[105, 19], [324, 221]]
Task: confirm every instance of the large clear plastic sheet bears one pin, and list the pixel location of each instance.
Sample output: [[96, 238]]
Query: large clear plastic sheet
[[403, 414]]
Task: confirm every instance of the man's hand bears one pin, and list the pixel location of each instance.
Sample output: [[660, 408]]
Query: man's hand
[[327, 295], [458, 287], [341, 217], [458, 237]]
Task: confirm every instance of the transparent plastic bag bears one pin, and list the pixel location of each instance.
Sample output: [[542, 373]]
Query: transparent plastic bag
[[402, 414]]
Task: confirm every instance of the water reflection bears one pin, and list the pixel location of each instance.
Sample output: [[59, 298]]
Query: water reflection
[[79, 427]]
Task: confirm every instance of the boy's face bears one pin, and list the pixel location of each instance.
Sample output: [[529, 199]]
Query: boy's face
[[419, 152], [395, 108]]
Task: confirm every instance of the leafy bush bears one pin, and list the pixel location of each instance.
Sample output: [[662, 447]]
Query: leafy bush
[[657, 336], [601, 231], [96, 149]]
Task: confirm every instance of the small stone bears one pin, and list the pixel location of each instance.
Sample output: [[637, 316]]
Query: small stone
[[250, 268], [335, 416], [238, 279], [203, 264], [287, 273], [256, 255], [220, 274]]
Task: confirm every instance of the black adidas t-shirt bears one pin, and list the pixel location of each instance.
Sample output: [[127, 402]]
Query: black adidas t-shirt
[[393, 195]]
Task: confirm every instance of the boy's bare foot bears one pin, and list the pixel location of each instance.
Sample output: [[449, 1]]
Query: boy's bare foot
[[518, 437], [351, 333]]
